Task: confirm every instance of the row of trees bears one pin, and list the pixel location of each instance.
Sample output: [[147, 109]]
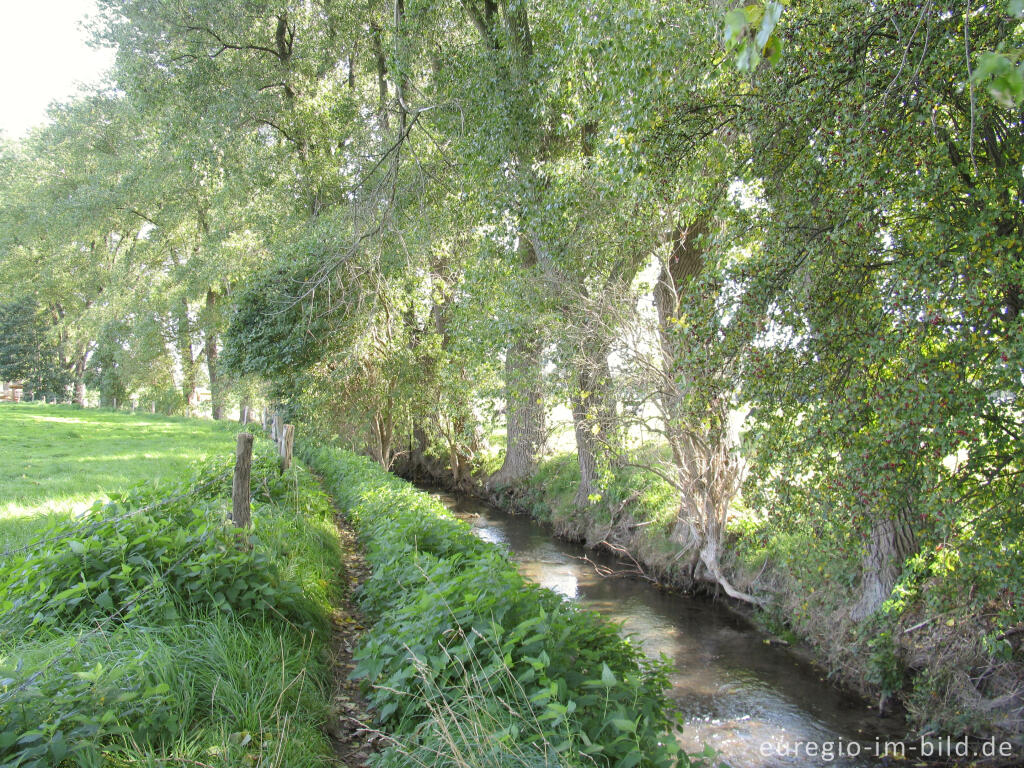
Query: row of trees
[[424, 222]]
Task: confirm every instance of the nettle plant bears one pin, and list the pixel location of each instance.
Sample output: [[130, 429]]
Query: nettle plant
[[115, 579], [144, 555], [463, 649]]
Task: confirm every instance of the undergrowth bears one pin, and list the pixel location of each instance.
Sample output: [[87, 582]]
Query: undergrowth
[[152, 630], [468, 664]]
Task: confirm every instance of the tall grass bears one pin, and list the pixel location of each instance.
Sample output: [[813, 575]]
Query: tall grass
[[150, 632]]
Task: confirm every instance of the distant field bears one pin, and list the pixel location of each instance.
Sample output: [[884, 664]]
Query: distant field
[[56, 460]]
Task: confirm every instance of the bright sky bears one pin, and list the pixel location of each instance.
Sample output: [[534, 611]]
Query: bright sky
[[43, 58]]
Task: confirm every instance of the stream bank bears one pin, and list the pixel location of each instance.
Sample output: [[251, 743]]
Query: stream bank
[[750, 700], [850, 665]]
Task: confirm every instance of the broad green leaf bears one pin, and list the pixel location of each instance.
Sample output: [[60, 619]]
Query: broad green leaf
[[607, 676], [1007, 89], [772, 14]]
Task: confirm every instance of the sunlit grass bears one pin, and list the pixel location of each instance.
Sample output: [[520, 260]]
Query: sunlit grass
[[57, 460]]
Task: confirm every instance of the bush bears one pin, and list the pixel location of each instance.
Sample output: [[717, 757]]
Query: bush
[[464, 651]]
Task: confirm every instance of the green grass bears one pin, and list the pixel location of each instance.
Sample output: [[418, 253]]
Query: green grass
[[57, 460], [550, 493], [168, 637]]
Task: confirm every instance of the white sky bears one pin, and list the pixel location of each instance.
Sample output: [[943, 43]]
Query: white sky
[[43, 58]]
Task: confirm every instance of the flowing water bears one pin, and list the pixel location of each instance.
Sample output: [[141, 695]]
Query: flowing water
[[759, 705]]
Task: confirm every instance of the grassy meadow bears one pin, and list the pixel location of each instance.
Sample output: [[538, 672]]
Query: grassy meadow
[[57, 460]]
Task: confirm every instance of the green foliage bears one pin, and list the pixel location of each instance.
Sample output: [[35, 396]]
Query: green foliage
[[1002, 71], [28, 352], [206, 687], [749, 34], [884, 667], [1002, 76], [148, 555], [453, 616], [273, 332], [830, 245], [104, 366], [150, 628]]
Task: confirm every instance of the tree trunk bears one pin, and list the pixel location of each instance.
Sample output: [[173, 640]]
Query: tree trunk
[[593, 416], [890, 542], [80, 380], [706, 470], [383, 432], [418, 451], [210, 347], [586, 453], [188, 359], [524, 403]]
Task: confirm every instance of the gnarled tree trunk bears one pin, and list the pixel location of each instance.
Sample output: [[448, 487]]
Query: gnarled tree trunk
[[890, 542], [525, 406], [707, 472]]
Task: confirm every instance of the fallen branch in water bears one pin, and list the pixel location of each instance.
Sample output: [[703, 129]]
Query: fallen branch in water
[[605, 572]]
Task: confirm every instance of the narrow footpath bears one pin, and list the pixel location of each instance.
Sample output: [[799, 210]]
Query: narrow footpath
[[349, 723]]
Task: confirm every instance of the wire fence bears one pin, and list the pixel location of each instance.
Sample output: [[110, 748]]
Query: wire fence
[[90, 524]]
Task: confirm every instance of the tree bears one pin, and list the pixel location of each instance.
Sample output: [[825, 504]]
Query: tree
[[28, 350], [891, 214]]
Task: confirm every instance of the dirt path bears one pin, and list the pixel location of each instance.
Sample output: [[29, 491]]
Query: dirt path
[[349, 724]]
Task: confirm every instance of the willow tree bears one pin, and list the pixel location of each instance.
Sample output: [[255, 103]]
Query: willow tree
[[70, 231], [257, 102], [886, 387]]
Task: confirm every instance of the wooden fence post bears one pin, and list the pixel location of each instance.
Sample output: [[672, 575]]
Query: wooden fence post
[[275, 429], [287, 441], [240, 510]]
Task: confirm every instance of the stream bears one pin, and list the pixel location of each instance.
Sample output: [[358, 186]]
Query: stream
[[758, 705]]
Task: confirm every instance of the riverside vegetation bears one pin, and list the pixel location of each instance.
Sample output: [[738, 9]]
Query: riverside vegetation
[[470, 665], [148, 630], [737, 290]]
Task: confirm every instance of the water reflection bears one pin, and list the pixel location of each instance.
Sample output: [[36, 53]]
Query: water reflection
[[751, 701]]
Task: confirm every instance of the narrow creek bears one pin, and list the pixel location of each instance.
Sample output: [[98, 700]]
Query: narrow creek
[[759, 705]]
